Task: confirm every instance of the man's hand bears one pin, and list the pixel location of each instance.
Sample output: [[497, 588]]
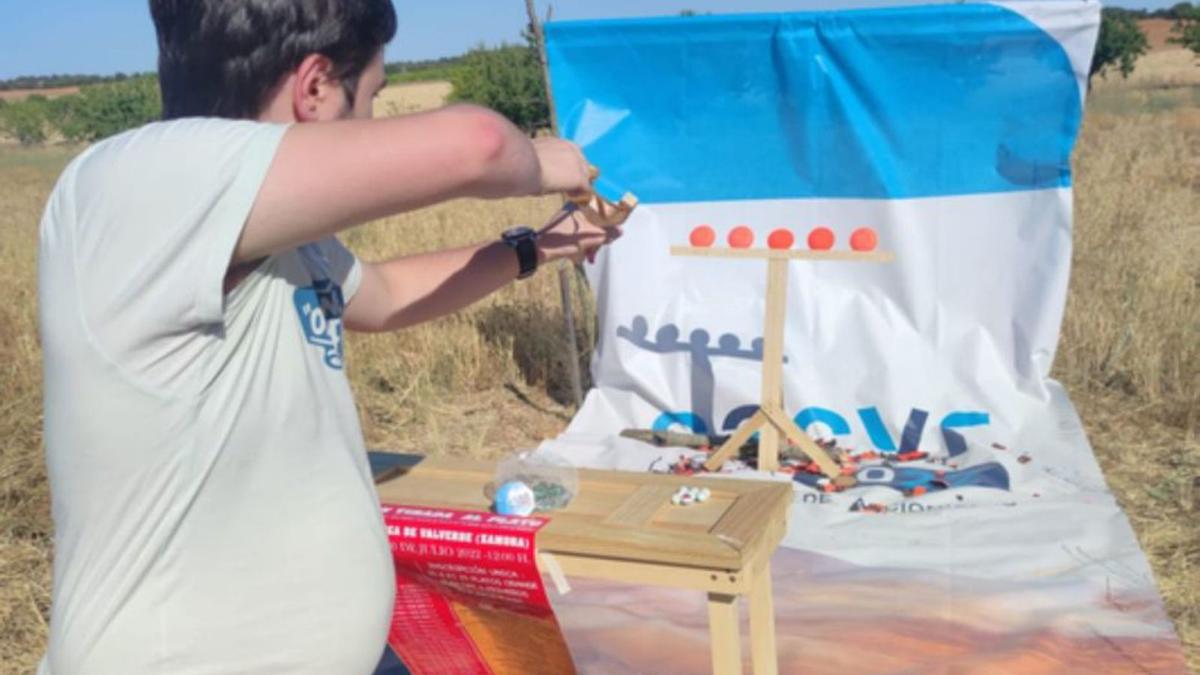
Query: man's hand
[[564, 168], [407, 291], [571, 235]]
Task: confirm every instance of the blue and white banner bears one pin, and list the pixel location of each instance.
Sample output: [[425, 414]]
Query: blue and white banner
[[948, 129]]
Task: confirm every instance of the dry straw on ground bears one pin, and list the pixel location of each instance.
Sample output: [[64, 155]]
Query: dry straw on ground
[[22, 94], [490, 379], [411, 98]]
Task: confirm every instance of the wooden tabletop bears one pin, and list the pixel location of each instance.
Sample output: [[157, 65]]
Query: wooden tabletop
[[621, 515]]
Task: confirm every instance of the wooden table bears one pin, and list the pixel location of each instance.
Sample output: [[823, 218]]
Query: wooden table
[[622, 527]]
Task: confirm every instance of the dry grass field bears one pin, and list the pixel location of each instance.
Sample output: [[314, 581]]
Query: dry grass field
[[491, 378], [22, 94], [407, 98], [1158, 32]]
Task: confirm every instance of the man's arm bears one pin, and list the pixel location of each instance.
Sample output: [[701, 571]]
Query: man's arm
[[407, 291], [330, 176]]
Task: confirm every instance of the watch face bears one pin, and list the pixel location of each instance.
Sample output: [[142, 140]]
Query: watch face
[[517, 232]]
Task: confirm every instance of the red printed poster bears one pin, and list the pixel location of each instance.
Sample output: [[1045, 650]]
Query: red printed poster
[[469, 597]]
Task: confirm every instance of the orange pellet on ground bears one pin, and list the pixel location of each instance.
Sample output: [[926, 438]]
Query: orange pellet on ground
[[821, 239], [864, 239], [741, 237], [703, 236], [781, 239]]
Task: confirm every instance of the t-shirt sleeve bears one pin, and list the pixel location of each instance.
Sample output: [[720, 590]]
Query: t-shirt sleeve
[[158, 213]]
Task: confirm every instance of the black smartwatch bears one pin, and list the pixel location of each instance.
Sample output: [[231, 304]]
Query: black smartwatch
[[524, 241]]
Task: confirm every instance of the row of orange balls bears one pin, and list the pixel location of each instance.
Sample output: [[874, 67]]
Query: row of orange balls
[[819, 239]]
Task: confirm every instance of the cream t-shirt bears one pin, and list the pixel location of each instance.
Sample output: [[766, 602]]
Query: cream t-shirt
[[213, 506]]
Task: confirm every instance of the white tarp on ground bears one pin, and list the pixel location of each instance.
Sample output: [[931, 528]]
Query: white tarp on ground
[[948, 129]]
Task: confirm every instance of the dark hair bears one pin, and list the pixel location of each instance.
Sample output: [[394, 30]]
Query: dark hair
[[224, 58]]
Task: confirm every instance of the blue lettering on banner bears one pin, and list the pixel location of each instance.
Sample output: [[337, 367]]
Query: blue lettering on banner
[[902, 478], [955, 443], [908, 478], [690, 421], [320, 308], [910, 440], [881, 439], [873, 423], [738, 415], [836, 423]]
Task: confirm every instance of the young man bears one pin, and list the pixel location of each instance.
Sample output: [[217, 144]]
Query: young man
[[213, 506]]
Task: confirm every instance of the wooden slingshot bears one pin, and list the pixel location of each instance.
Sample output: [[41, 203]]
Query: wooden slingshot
[[771, 418], [600, 210]]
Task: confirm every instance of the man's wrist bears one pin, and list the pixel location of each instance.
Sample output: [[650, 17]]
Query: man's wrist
[[523, 242]]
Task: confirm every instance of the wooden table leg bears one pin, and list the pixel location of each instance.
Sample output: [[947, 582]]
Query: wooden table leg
[[723, 633], [762, 624]]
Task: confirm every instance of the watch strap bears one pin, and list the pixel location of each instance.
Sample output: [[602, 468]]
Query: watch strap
[[524, 241]]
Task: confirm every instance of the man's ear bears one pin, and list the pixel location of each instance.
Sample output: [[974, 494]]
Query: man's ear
[[316, 94]]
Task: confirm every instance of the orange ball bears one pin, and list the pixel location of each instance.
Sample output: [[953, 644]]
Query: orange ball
[[703, 236], [864, 239], [821, 239], [741, 237], [781, 239]]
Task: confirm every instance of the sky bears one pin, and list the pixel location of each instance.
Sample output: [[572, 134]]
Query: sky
[[43, 37]]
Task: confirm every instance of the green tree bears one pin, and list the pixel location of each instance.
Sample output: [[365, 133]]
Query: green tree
[[1181, 10], [25, 120], [1120, 44], [103, 110], [60, 114], [507, 79], [96, 112], [1187, 26]]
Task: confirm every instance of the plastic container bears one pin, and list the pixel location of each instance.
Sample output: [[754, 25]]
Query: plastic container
[[554, 482]]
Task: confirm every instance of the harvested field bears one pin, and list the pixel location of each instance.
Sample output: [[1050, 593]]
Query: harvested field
[[22, 94], [490, 379]]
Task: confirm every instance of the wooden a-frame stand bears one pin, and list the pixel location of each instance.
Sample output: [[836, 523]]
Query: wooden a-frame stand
[[775, 424]]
